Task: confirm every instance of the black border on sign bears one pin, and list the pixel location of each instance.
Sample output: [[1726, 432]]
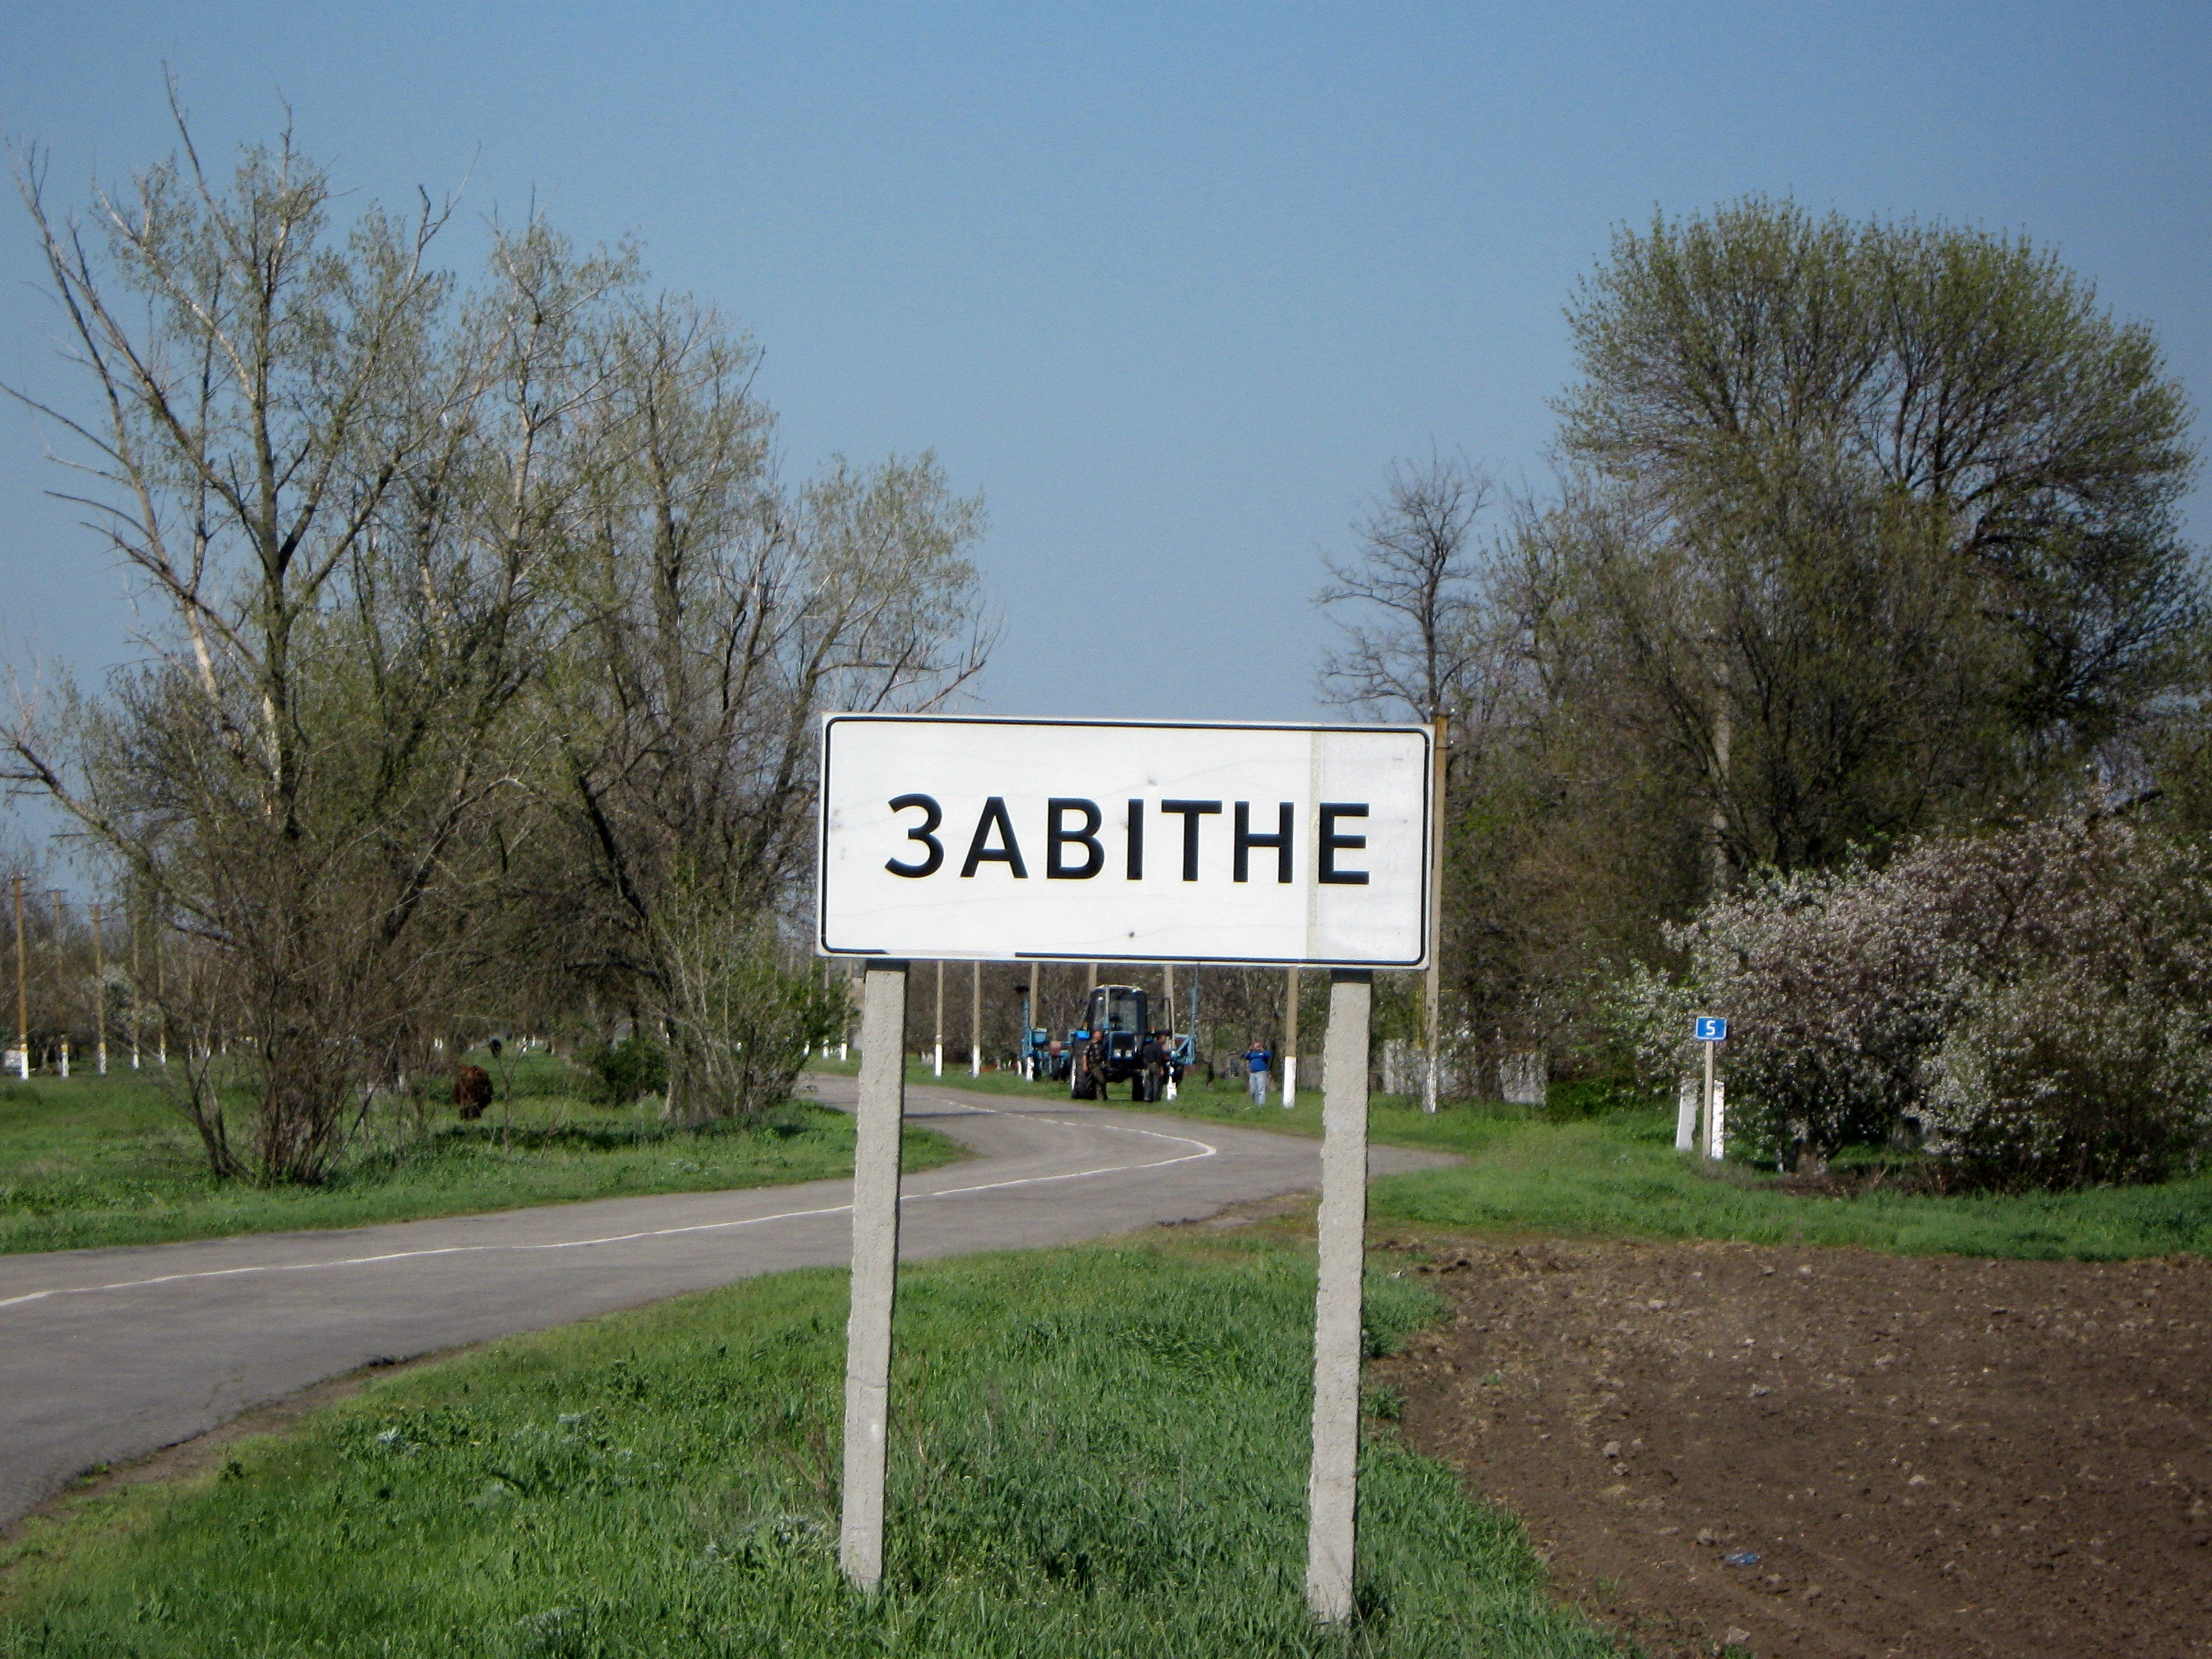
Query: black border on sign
[[1427, 734]]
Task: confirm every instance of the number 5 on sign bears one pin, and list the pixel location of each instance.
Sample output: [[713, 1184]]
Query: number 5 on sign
[[1710, 1028]]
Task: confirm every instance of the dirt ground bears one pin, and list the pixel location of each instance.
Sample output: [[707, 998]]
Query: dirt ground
[[1803, 1452]]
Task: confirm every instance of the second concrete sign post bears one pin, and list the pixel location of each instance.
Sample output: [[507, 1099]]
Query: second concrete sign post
[[875, 1269], [1333, 1485]]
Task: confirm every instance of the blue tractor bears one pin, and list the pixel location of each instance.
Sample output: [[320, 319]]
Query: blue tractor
[[1045, 1057], [1117, 1044]]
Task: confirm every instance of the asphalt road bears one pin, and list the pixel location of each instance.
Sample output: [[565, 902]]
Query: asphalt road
[[108, 1355]]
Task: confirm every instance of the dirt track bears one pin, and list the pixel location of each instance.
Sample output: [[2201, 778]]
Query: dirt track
[[1927, 1456]]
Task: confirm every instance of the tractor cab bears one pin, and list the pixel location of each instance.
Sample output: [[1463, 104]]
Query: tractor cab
[[1116, 1027], [1116, 1014]]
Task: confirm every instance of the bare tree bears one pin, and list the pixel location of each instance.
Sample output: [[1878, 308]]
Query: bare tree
[[284, 447], [1409, 602], [714, 617]]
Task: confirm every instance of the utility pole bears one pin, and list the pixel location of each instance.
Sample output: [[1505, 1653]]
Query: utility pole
[[1290, 1037], [22, 989], [1035, 1018], [976, 1018], [937, 1054], [61, 998], [1723, 741], [1433, 990], [99, 996], [134, 989], [853, 980]]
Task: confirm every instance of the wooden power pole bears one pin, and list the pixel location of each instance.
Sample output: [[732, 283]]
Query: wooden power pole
[[99, 996], [22, 989], [61, 970]]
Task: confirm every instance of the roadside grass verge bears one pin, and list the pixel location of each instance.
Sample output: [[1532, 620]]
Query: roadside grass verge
[[1616, 1174], [1097, 1451], [1620, 1176], [105, 1161]]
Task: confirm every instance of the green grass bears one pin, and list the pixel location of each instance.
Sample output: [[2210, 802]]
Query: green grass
[[1620, 1176], [1096, 1451], [1616, 1174], [94, 1161]]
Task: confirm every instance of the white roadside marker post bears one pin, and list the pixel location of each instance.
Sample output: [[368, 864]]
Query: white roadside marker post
[[1332, 1483], [875, 1270], [1686, 1115]]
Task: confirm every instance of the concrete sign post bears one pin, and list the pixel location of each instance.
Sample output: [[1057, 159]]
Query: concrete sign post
[[1119, 841], [875, 1270], [1432, 982], [1332, 1485]]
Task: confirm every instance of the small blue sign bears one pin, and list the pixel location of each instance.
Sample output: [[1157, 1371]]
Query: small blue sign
[[1711, 1028]]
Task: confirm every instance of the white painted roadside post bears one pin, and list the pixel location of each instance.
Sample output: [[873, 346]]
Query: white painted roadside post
[[1711, 1030], [875, 1270], [974, 1019], [1124, 842], [1686, 1097], [1290, 1039]]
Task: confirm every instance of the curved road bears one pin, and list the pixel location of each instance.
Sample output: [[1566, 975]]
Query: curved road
[[107, 1355]]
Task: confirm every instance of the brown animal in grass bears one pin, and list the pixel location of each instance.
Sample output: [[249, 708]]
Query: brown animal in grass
[[471, 1091]]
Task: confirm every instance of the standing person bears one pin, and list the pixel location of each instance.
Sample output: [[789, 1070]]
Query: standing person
[[1256, 1061], [1152, 1058]]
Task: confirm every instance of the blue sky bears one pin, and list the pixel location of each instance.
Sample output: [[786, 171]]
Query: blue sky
[[1171, 285]]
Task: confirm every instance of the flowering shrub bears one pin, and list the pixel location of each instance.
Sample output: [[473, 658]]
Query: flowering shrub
[[2039, 998]]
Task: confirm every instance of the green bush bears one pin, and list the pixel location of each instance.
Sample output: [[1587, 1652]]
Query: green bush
[[625, 1071]]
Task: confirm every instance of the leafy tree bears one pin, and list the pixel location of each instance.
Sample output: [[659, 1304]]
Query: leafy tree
[[1862, 531], [1880, 519]]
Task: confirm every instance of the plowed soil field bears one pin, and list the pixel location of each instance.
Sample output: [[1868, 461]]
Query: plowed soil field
[[1808, 1452]]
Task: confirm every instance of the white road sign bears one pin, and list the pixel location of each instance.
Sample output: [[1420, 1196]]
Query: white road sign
[[1100, 840]]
